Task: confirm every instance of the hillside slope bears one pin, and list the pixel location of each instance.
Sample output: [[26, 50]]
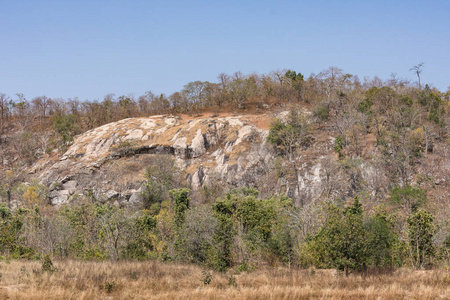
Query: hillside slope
[[110, 161]]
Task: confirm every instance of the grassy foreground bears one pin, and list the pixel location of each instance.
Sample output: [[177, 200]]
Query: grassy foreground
[[155, 280]]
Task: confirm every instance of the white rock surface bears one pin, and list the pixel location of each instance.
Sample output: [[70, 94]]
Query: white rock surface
[[227, 148]]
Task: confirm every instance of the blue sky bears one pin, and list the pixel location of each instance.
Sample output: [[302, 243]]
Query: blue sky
[[91, 48]]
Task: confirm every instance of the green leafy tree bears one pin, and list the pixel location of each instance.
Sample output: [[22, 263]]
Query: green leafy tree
[[421, 231], [8, 229], [252, 223], [339, 146], [381, 241], [321, 113], [83, 224], [410, 198], [152, 195], [296, 81], [222, 257], [378, 100], [141, 242], [342, 242], [66, 126], [181, 201]]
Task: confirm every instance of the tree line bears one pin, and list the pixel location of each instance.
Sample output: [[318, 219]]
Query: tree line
[[43, 123], [239, 230]]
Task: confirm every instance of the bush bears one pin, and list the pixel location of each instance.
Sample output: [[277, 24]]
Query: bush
[[109, 286], [206, 277], [47, 265]]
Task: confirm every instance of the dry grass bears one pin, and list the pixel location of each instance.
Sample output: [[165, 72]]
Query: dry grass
[[154, 280]]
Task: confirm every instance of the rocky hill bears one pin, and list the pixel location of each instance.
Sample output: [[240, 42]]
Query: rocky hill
[[110, 161], [231, 148]]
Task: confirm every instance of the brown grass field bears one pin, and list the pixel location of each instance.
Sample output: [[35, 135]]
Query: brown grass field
[[155, 280]]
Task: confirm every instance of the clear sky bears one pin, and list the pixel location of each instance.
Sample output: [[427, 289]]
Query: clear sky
[[88, 49]]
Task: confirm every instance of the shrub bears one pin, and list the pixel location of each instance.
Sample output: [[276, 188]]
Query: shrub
[[109, 286], [206, 277], [47, 265]]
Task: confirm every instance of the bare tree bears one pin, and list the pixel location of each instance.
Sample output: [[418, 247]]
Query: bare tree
[[3, 111], [10, 179], [418, 70], [41, 105], [224, 81], [144, 103], [74, 105], [116, 227]]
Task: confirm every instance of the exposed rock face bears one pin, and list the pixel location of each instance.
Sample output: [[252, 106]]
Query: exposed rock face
[[109, 162]]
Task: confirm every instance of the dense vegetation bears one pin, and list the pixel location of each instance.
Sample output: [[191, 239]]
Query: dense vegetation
[[239, 230], [402, 220]]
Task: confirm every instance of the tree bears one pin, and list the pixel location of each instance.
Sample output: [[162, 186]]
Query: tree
[[296, 81], [74, 106], [292, 133], [281, 87], [410, 198], [339, 146], [178, 102], [181, 201], [3, 113], [198, 232], [10, 179], [106, 112], [144, 102], [66, 126], [41, 105], [238, 90], [196, 94], [248, 223], [223, 96], [433, 103], [418, 70], [321, 113], [421, 231], [10, 227], [162, 175], [126, 107], [115, 228], [223, 236], [3, 117], [342, 242], [22, 112], [142, 239], [381, 241]]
